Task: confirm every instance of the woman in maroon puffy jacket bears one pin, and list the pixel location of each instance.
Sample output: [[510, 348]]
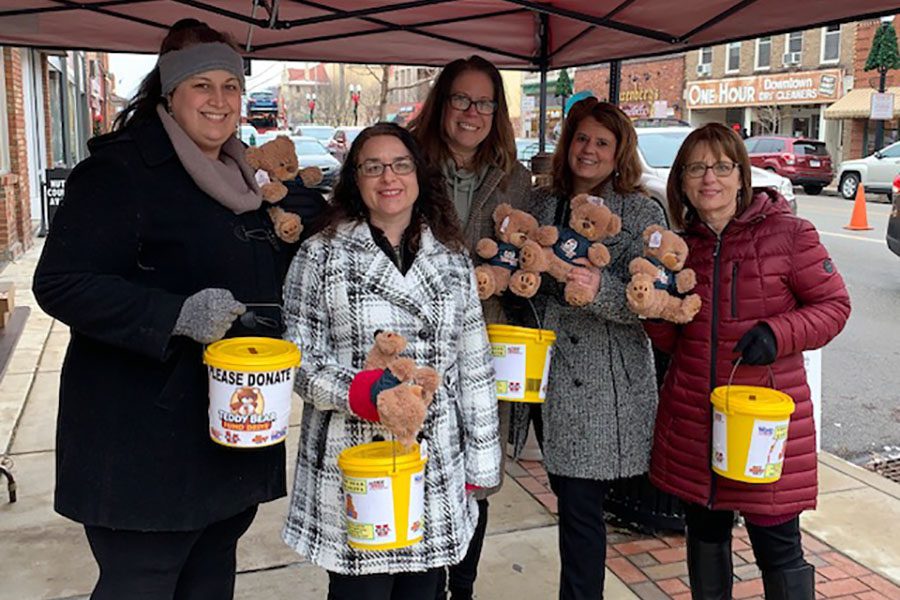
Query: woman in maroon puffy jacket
[[769, 291]]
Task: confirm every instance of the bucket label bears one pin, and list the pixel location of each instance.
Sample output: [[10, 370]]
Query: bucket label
[[545, 378], [416, 506], [766, 454], [509, 369], [720, 440], [249, 410], [369, 510]]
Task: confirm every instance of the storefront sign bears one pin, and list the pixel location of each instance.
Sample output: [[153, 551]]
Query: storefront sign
[[882, 107], [807, 87], [54, 189]]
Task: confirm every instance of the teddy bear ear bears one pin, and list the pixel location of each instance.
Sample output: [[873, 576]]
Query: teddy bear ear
[[502, 211], [578, 200], [614, 226], [651, 230]]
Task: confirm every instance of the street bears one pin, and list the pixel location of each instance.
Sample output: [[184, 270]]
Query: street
[[861, 367]]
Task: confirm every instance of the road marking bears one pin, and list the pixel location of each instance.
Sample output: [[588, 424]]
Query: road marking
[[851, 237]]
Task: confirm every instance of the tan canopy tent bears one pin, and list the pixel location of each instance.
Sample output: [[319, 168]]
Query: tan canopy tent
[[857, 104], [517, 34]]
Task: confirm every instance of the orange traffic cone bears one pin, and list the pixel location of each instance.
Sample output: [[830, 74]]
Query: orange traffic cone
[[858, 220]]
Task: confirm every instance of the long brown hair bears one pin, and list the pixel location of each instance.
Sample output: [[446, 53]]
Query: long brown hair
[[720, 140], [498, 148], [433, 207], [626, 179], [184, 33]]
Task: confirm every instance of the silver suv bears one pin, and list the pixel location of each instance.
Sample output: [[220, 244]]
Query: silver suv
[[876, 172]]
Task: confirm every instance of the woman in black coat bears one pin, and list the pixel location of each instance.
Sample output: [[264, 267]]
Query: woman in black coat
[[160, 246]]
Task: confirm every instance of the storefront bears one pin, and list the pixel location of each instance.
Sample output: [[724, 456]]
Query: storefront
[[854, 110], [791, 104]]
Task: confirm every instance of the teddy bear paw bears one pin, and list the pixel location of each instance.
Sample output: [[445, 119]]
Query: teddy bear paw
[[485, 283], [403, 368], [525, 284], [639, 292]]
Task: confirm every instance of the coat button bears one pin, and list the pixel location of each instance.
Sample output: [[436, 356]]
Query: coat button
[[574, 339], [576, 383], [377, 438], [424, 334]]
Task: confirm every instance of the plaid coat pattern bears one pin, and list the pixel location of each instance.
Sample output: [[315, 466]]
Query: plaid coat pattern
[[339, 291]]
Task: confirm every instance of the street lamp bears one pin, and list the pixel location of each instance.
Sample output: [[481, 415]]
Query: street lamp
[[355, 90], [311, 103]]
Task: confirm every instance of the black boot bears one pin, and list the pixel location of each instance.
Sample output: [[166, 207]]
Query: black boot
[[791, 584], [710, 569]]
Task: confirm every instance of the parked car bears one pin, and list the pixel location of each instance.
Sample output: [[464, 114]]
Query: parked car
[[340, 142], [893, 228], [657, 147], [805, 162], [528, 147], [876, 172], [323, 133], [311, 153]]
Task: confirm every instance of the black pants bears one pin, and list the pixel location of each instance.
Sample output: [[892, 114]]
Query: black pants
[[399, 586], [461, 577], [582, 536], [179, 565], [775, 548]]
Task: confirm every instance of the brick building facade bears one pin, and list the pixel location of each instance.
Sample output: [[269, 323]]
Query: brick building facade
[[644, 82], [15, 209]]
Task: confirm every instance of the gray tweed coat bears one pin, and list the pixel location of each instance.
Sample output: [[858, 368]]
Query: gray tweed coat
[[515, 190], [339, 291], [602, 395]]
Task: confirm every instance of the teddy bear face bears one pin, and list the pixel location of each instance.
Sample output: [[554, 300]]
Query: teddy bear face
[[278, 158], [592, 219], [513, 226], [665, 246]]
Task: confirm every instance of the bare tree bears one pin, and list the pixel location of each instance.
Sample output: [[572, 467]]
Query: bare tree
[[770, 118], [384, 80]]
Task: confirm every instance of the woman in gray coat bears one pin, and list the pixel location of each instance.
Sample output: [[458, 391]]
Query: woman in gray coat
[[601, 399]]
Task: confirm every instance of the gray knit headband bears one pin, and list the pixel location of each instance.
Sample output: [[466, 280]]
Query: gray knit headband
[[177, 65]]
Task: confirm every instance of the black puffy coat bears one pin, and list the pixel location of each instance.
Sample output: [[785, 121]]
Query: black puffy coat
[[132, 239]]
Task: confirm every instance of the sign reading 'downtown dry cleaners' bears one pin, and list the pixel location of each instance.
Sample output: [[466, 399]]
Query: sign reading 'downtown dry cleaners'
[[804, 87]]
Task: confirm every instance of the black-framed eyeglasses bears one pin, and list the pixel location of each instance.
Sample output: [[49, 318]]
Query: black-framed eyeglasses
[[720, 169], [374, 168], [461, 102]]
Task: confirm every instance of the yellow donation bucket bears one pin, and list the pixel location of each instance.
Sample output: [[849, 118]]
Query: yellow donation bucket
[[384, 495], [250, 385], [521, 361], [750, 430]]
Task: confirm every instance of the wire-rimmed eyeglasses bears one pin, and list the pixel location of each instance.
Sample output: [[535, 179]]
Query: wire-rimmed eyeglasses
[[720, 169], [374, 168]]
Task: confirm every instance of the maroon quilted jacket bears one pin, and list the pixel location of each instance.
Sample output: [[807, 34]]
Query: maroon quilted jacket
[[768, 266]]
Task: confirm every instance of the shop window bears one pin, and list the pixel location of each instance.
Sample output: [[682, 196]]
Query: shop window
[[4, 131], [793, 48], [763, 53], [57, 149], [831, 44], [733, 54]]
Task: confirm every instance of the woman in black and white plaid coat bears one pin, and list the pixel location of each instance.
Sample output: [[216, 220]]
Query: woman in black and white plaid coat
[[372, 268]]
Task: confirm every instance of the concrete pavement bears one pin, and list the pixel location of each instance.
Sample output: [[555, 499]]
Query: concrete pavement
[[46, 556]]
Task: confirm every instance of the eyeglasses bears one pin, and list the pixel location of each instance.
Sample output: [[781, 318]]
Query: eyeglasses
[[720, 169], [400, 166], [461, 102]]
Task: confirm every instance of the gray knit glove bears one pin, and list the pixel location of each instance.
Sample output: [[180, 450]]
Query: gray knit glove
[[207, 315]]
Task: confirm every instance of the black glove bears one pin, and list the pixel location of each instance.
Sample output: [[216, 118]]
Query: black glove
[[758, 346]]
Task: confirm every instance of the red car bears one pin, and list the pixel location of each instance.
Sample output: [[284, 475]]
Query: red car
[[805, 162]]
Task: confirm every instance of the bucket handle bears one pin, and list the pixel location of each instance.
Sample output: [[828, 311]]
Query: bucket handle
[[737, 363]]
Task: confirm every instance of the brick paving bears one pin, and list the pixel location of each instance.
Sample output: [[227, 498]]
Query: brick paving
[[654, 568]]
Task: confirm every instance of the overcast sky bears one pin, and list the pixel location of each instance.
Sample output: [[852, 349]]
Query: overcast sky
[[130, 69]]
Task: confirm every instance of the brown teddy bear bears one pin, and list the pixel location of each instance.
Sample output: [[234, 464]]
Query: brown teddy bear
[[556, 249], [276, 161], [659, 282], [513, 228], [403, 399]]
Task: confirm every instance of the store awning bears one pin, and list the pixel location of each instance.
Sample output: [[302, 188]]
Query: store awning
[[858, 103], [530, 35]]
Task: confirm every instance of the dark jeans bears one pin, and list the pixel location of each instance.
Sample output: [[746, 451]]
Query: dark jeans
[[462, 576], [397, 586], [582, 536], [775, 548], [179, 565]]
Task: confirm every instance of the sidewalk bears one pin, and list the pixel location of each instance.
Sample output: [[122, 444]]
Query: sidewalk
[[852, 539]]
